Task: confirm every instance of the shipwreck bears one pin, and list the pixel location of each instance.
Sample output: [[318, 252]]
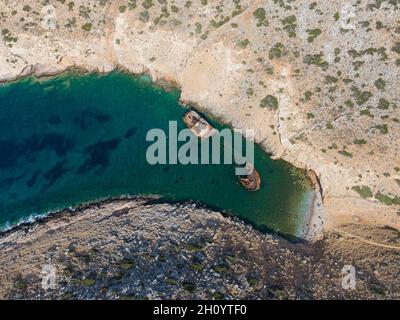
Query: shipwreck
[[198, 125], [251, 181]]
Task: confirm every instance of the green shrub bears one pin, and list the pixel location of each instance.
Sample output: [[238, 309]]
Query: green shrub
[[290, 25], [195, 247], [260, 15], [345, 153], [171, 282], [87, 27], [316, 59], [221, 268], [383, 198], [380, 84], [276, 51], [218, 296], [383, 104], [396, 200], [269, 102], [144, 16], [382, 128], [147, 4], [244, 43], [189, 287], [88, 282], [126, 264], [361, 97], [197, 266], [363, 191], [396, 48], [312, 34], [360, 141]]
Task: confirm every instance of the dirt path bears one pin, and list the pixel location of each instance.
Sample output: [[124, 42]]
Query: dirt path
[[365, 240]]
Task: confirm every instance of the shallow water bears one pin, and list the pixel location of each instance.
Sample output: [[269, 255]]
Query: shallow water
[[77, 138]]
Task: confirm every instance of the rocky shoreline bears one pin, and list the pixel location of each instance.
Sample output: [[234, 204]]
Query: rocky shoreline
[[309, 232], [40, 219]]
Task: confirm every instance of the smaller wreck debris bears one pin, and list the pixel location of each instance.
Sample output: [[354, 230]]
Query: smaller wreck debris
[[252, 181], [198, 125]]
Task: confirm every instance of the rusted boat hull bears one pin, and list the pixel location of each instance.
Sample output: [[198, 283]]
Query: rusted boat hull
[[252, 182]]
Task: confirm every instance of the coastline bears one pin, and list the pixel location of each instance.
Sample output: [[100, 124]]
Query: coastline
[[315, 221], [41, 219], [307, 231]]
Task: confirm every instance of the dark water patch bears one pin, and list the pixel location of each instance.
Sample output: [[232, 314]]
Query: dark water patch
[[55, 173], [130, 133], [87, 117], [31, 182], [55, 142], [8, 182], [99, 156], [12, 152], [54, 119]]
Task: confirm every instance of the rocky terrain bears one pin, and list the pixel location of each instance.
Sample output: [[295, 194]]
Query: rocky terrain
[[317, 79], [146, 249]]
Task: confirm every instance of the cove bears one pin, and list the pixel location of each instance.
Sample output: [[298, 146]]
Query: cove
[[73, 139]]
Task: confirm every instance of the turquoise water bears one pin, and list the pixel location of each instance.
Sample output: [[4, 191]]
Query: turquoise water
[[77, 138]]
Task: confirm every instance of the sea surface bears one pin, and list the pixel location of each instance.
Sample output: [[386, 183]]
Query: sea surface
[[73, 139]]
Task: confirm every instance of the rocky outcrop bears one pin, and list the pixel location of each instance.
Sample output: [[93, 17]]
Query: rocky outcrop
[[146, 249]]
